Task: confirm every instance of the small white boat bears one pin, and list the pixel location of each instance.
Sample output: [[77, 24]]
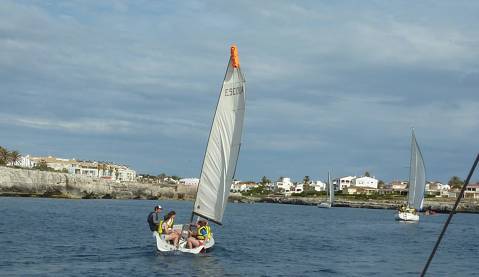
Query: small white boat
[[164, 246], [324, 205], [221, 156], [417, 185], [410, 215], [330, 193]]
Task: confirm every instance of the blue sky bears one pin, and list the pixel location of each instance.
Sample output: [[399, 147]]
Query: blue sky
[[331, 85]]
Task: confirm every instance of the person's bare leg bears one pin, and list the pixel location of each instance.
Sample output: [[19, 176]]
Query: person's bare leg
[[196, 243], [177, 238], [190, 242]]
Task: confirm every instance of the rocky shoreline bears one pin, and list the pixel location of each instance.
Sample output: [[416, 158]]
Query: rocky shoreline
[[439, 206], [33, 183]]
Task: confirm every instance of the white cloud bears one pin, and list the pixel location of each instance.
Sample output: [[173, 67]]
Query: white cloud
[[318, 74]]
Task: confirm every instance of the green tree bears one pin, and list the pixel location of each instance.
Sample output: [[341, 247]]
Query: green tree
[[367, 174], [306, 184], [455, 182], [259, 190], [381, 184], [162, 176], [3, 156], [265, 181], [42, 165], [14, 156]]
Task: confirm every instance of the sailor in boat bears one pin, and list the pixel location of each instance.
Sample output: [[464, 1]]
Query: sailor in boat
[[154, 218], [429, 211], [166, 229], [200, 236]]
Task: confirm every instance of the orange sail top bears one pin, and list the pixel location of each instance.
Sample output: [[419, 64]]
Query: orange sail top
[[234, 56]]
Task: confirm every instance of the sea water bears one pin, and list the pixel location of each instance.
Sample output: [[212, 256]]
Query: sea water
[[54, 237]]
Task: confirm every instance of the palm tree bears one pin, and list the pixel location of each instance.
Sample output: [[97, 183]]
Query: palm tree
[[265, 180], [3, 156], [455, 182], [162, 176], [14, 156], [306, 182]]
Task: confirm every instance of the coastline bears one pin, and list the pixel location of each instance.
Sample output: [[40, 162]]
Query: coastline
[[437, 205], [33, 183]]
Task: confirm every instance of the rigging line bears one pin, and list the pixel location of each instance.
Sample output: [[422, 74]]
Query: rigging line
[[453, 211]]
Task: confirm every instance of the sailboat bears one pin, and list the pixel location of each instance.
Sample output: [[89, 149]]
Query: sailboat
[[330, 194], [221, 156], [417, 185]]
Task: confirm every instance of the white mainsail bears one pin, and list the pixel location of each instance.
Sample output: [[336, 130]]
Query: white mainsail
[[417, 177], [223, 147], [331, 189]]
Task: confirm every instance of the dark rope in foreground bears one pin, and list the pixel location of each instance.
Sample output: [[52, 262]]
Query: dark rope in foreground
[[453, 211]]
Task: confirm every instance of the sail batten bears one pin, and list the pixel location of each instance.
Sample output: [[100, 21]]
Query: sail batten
[[223, 146], [417, 176]]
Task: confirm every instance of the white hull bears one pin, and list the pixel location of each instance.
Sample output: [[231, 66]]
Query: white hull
[[406, 216], [164, 246], [324, 205]]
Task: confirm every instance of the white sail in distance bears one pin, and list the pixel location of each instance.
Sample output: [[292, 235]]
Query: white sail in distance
[[331, 189], [223, 146], [417, 176]]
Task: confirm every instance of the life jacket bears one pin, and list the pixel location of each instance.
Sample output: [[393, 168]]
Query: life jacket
[[150, 221], [160, 226], [204, 232]]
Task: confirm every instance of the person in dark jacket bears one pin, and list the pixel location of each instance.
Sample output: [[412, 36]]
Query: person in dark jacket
[[154, 218]]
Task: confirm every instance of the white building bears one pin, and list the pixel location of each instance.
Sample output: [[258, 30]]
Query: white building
[[88, 168], [298, 188], [242, 186], [437, 186], [318, 185], [472, 191], [54, 162], [286, 185], [25, 162], [365, 181], [343, 182], [190, 181]]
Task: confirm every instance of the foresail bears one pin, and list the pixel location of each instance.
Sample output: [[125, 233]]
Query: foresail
[[223, 147], [417, 177]]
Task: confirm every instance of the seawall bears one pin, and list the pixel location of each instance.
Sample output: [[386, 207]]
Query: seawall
[[437, 205], [35, 183]]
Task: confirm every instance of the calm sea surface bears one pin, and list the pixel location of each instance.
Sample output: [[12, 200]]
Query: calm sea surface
[[50, 237]]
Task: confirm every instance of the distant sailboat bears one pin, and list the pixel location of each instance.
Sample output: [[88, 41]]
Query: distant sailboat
[[417, 185], [330, 194], [222, 151]]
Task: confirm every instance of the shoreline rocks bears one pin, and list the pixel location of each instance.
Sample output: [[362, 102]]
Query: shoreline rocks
[[34, 183], [443, 206]]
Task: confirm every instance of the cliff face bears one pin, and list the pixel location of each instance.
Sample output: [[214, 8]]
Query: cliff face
[[42, 183]]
